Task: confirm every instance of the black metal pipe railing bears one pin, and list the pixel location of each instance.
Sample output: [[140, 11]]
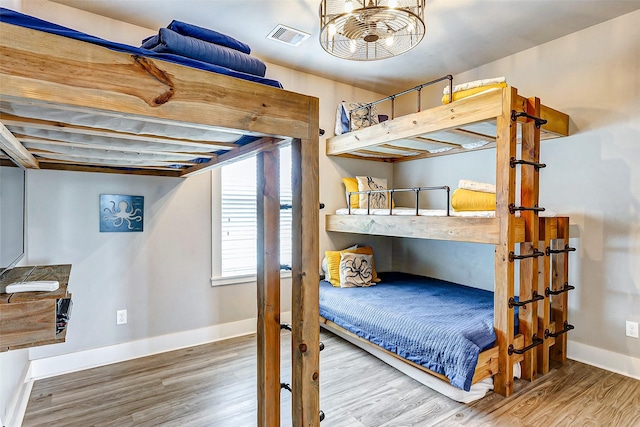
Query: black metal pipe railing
[[535, 296], [566, 288], [536, 253], [393, 97], [538, 120], [567, 328], [417, 190], [567, 248], [535, 341]]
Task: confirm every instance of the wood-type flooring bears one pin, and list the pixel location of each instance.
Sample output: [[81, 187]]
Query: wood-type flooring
[[214, 385]]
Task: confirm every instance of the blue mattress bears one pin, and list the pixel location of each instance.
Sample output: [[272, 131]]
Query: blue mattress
[[15, 18], [440, 325]]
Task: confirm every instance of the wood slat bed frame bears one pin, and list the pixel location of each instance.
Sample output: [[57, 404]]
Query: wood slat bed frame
[[505, 231], [79, 90]]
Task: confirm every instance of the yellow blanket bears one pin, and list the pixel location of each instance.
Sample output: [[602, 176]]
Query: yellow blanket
[[474, 91], [467, 200]]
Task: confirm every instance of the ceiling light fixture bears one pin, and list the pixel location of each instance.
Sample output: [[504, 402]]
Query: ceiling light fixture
[[367, 30]]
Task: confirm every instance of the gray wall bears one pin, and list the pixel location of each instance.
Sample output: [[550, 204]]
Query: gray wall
[[592, 176]]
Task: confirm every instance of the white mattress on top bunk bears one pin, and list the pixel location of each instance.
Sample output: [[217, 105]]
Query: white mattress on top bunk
[[403, 211]]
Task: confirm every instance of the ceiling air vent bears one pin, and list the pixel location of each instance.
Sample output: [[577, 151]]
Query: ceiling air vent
[[288, 35]]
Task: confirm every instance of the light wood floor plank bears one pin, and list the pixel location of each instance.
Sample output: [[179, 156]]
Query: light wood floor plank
[[214, 385]]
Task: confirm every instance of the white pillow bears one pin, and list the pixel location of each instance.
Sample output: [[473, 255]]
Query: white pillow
[[378, 200], [355, 270]]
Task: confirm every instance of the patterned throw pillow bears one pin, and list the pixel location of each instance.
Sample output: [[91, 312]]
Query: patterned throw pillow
[[362, 117], [359, 118], [378, 200], [333, 263], [355, 270]]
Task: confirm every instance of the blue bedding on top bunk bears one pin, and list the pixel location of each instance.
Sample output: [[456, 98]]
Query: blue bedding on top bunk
[[16, 18], [440, 325], [205, 34], [168, 41]]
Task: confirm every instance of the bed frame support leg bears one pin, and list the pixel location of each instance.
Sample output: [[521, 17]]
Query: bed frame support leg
[[504, 269], [559, 279], [546, 228], [305, 279], [529, 195], [268, 284]]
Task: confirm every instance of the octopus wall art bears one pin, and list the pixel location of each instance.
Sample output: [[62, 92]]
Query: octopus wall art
[[120, 213]]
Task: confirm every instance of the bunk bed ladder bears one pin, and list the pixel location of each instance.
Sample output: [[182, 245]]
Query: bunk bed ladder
[[305, 327], [268, 284], [529, 197], [559, 291], [504, 267], [553, 281]]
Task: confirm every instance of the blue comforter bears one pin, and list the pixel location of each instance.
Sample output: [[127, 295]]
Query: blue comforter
[[205, 34], [440, 325], [16, 18], [168, 41]]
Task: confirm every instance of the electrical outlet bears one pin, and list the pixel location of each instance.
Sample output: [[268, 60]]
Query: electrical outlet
[[121, 317], [632, 329]]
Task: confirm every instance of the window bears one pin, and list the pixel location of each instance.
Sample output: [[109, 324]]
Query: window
[[234, 219]]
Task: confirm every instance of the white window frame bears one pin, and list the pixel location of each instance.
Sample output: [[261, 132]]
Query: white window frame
[[217, 279]]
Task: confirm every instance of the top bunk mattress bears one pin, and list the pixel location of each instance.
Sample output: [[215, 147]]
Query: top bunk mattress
[[440, 325], [15, 18]]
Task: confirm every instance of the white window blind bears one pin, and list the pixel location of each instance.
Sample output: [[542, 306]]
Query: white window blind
[[238, 249]]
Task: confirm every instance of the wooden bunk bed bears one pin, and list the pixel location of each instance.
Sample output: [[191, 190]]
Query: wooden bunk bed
[[519, 234], [114, 111]]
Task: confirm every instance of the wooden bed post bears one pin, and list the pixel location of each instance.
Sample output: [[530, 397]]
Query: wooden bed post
[[305, 276], [504, 270], [560, 268], [529, 195], [547, 228], [268, 283]]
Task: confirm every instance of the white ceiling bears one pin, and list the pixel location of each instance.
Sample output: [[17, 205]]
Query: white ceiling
[[460, 35]]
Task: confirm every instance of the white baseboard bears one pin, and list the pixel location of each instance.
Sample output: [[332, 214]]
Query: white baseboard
[[605, 359], [72, 362], [18, 405]]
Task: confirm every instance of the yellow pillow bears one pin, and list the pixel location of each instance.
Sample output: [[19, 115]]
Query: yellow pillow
[[468, 200], [351, 184], [466, 93], [333, 263]]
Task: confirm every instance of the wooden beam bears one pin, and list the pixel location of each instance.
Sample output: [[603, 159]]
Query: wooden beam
[[109, 135], [14, 149], [504, 269], [559, 303], [268, 282], [547, 230], [63, 166], [305, 277], [461, 229], [242, 152], [147, 89], [529, 194], [55, 145]]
